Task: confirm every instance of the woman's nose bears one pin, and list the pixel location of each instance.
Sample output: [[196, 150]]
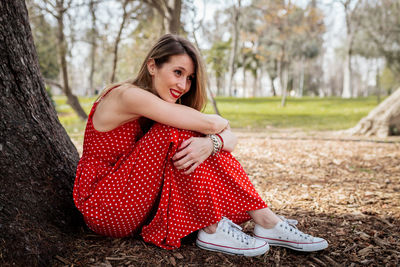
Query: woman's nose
[[182, 83]]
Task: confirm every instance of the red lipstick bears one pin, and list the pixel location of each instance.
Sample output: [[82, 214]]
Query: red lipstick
[[175, 93]]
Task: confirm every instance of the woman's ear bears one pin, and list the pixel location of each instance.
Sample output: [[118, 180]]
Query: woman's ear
[[151, 66]]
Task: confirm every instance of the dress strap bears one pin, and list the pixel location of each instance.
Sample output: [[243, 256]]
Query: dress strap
[[106, 93], [98, 101]]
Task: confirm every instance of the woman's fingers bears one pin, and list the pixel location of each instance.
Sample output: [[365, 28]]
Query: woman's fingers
[[182, 149], [192, 168], [192, 153], [184, 165]]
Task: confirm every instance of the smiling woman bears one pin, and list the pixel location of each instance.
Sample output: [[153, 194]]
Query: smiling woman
[[149, 150], [174, 78]]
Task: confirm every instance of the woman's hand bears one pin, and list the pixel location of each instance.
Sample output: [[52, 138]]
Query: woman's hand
[[192, 152]]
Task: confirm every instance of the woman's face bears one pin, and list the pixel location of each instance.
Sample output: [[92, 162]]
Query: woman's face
[[173, 78]]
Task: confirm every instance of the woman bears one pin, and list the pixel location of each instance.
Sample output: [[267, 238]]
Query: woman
[[152, 162]]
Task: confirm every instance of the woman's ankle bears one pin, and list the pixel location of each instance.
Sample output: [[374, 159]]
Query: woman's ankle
[[265, 218], [211, 229]]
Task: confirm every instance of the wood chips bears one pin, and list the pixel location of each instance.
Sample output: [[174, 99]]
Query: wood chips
[[345, 190]]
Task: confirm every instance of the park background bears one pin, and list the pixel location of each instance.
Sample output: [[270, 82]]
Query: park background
[[295, 79]]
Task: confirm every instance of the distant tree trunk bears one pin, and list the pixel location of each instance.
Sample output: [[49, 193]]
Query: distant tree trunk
[[38, 159], [255, 84], [218, 80], [172, 18], [244, 81], [301, 80], [125, 16], [72, 100], [235, 41], [284, 84], [93, 43], [352, 24], [382, 121], [347, 75], [210, 93], [170, 11], [378, 85]]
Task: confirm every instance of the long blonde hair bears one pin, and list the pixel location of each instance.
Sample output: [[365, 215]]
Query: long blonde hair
[[169, 45]]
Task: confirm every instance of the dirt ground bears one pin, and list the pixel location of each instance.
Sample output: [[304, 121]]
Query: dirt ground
[[344, 189]]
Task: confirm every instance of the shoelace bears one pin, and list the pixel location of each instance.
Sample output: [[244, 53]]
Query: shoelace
[[235, 230], [293, 228]]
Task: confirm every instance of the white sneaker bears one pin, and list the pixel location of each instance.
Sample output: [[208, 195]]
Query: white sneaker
[[286, 234], [230, 239]]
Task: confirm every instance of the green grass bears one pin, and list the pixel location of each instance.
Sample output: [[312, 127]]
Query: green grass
[[308, 113]]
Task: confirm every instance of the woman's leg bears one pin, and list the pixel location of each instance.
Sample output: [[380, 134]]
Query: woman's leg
[[263, 217], [218, 188]]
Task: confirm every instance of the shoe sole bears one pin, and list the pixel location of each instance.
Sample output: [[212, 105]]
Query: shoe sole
[[241, 252], [285, 244]]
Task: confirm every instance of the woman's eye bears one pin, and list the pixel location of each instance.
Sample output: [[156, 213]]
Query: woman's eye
[[190, 78], [178, 72]]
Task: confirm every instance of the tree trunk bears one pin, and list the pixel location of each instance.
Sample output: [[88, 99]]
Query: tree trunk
[[301, 80], [382, 121], [118, 40], [172, 18], [210, 93], [72, 100], [378, 84], [284, 84], [347, 76], [235, 40], [38, 159], [93, 43], [255, 84], [244, 81], [170, 11]]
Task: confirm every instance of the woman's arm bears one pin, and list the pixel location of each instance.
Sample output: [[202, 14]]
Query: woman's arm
[[230, 139], [193, 151], [133, 101]]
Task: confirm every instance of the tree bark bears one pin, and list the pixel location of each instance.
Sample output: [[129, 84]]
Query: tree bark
[[38, 159], [382, 121]]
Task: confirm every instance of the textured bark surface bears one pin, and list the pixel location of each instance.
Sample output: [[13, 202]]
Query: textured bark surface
[[38, 160], [382, 121]]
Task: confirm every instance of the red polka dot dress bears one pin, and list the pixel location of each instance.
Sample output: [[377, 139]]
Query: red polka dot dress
[[126, 182]]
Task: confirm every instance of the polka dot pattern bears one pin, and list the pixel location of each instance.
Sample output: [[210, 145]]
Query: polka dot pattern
[[126, 182]]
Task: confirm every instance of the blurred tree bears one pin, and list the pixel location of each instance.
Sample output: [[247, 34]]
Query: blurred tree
[[196, 26], [92, 36], [236, 9], [389, 80], [381, 21], [286, 32], [217, 60], [352, 23], [38, 160], [46, 43], [58, 10], [170, 11], [129, 7]]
